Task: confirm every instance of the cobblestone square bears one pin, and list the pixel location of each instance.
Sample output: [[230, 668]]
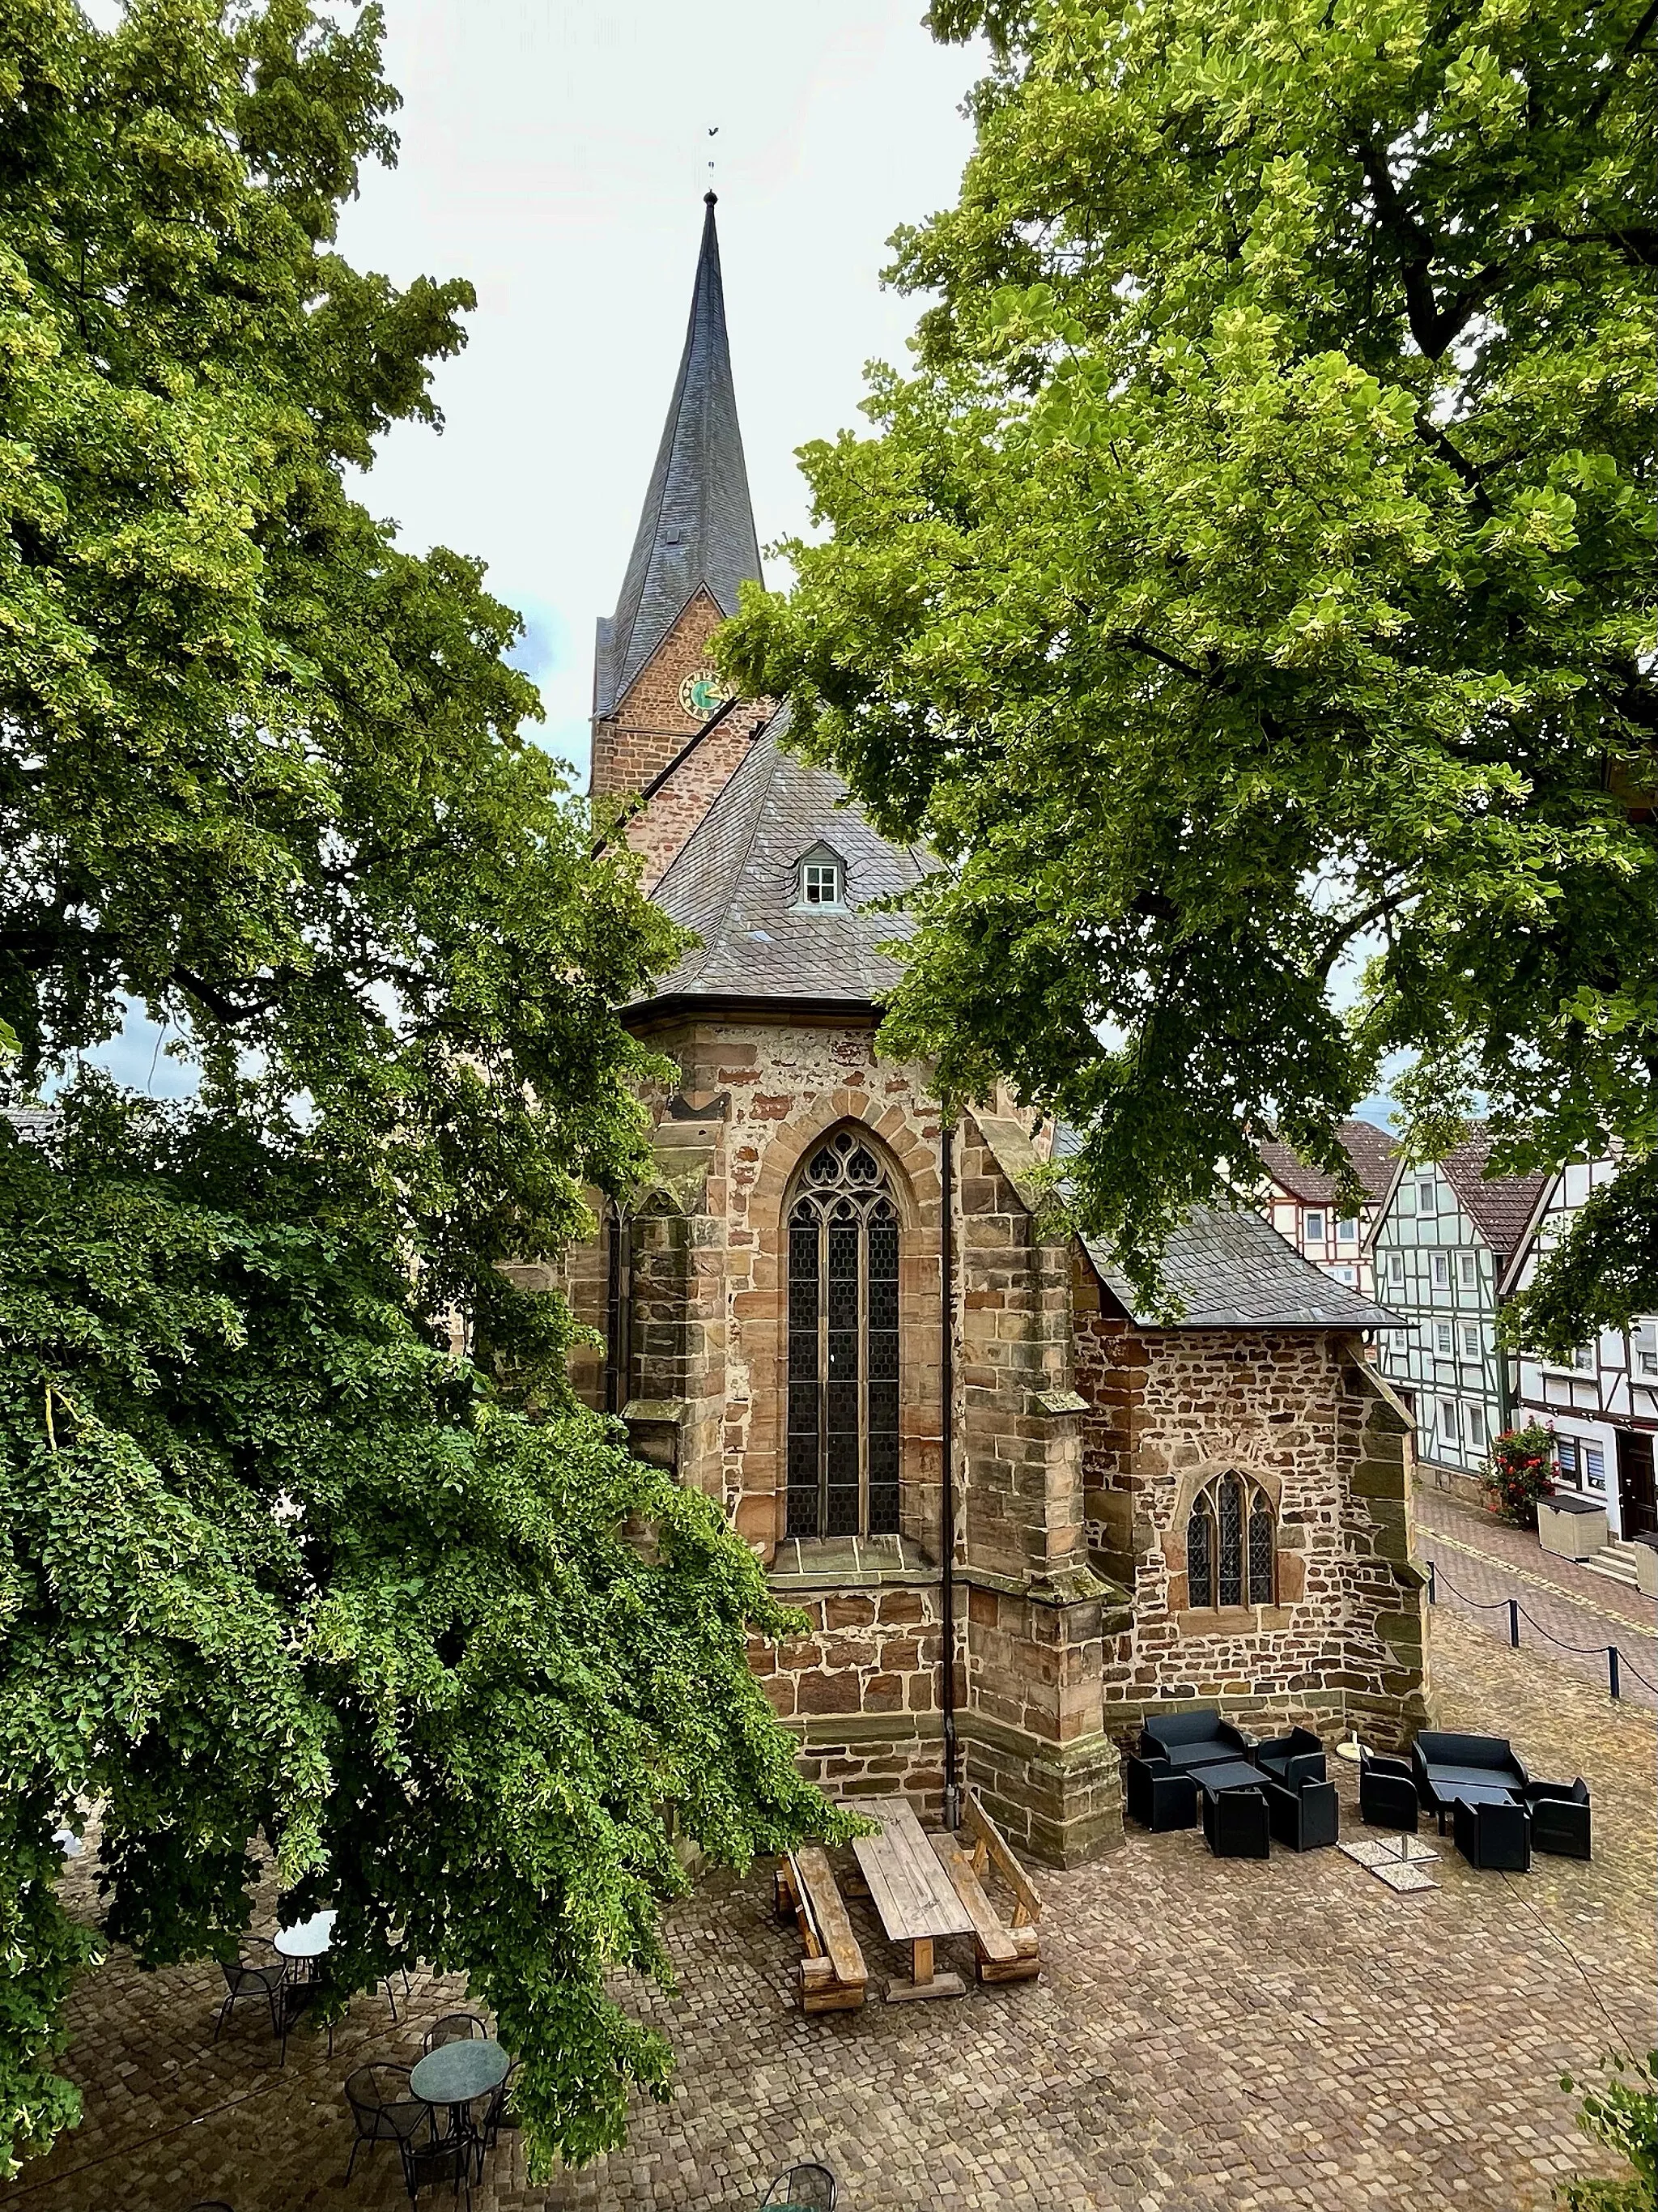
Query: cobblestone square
[[1205, 2035]]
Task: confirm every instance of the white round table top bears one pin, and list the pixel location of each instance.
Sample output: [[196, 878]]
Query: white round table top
[[309, 1940], [1349, 1749]]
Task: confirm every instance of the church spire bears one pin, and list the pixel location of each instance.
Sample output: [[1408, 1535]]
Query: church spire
[[697, 525]]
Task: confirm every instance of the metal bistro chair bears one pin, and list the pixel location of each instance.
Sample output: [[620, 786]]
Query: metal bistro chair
[[378, 2113], [259, 1970], [498, 2118], [802, 2189], [455, 2027], [447, 2159]]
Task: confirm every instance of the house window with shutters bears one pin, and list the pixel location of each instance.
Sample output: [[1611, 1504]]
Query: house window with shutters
[[843, 1345], [1231, 1540]]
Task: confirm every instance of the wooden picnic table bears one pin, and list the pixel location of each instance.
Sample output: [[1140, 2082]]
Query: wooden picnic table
[[912, 1892]]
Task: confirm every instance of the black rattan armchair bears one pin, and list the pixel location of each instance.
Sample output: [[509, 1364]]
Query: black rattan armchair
[[1388, 1793], [1559, 1817], [1157, 1795], [1306, 1819], [1291, 1759], [1495, 1837], [1235, 1824], [802, 2189], [380, 2112], [260, 1972]]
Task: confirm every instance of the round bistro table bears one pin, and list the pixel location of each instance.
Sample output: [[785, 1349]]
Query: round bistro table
[[455, 2072], [306, 1942]]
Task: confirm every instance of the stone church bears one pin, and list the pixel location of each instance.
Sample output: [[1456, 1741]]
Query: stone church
[[936, 1415]]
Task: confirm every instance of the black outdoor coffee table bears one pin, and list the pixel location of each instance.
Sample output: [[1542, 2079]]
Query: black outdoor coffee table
[[1228, 1774]]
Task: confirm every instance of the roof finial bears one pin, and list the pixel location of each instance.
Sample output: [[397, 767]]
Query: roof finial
[[711, 196]]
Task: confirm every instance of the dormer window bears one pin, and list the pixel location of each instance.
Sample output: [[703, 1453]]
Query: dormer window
[[821, 884]]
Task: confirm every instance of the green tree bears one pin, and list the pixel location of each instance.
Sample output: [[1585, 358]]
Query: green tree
[[274, 1555], [1254, 582], [1621, 2116]]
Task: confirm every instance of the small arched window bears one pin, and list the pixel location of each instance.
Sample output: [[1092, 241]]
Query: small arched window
[[1231, 1540]]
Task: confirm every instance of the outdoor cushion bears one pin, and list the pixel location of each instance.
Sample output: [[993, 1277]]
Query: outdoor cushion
[[1171, 1729]]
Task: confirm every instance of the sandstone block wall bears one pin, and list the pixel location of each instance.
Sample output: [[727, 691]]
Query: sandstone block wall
[[773, 1093], [1298, 1413]]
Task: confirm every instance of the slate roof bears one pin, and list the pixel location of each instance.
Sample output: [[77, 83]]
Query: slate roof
[[734, 882], [1370, 1150], [1229, 1268], [1502, 1210], [697, 524]]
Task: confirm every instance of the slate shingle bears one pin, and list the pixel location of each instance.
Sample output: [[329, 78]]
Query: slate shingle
[[735, 883], [697, 523], [1229, 1268]]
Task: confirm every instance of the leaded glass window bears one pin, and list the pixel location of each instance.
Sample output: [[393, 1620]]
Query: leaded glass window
[[1230, 1517], [1201, 1556], [1263, 1542], [843, 1346], [1231, 1543]]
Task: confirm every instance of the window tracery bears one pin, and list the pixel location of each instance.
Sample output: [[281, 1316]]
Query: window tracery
[[1231, 1545], [842, 1467]]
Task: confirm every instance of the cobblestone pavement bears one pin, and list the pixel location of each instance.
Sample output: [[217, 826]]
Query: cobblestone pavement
[[1481, 1562], [1206, 2034]]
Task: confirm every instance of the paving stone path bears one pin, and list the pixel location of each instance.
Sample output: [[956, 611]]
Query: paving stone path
[[1481, 1563], [1207, 2034]]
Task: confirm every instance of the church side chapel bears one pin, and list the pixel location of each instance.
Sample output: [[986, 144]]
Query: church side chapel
[[935, 1414]]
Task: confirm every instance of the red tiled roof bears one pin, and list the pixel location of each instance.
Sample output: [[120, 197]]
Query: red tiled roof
[[1370, 1150], [1501, 1208]]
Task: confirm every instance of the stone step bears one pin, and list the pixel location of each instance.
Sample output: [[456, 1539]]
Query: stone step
[[1616, 1560]]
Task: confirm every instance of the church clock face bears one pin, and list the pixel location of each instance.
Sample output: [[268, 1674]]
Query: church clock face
[[702, 693]]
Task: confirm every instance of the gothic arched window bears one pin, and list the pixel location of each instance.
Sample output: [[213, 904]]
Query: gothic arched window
[[1231, 1537], [843, 1346]]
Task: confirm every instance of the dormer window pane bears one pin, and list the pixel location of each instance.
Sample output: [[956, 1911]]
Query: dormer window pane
[[820, 883]]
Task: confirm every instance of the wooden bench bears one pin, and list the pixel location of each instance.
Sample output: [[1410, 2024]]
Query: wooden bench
[[832, 1972], [1004, 1954]]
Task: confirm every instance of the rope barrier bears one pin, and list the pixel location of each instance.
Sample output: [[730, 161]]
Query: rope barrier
[[1616, 1662]]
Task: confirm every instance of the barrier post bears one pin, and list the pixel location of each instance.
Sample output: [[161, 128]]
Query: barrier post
[[1513, 1622], [1612, 1682]]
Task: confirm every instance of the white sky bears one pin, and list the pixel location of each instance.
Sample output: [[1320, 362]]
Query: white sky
[[556, 155]]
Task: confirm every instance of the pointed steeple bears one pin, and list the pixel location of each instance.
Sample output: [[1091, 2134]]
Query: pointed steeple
[[697, 524]]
